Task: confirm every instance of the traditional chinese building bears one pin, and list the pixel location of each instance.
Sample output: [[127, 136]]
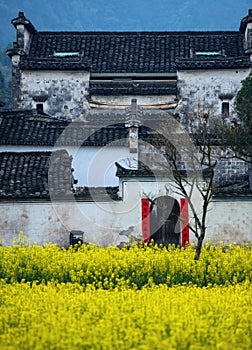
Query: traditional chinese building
[[89, 100]]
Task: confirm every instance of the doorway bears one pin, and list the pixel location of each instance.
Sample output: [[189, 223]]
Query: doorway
[[164, 221]]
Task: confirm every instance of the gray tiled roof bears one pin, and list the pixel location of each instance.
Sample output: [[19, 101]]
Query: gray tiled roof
[[24, 127], [142, 171], [55, 63], [24, 175], [213, 63], [237, 185], [131, 52], [132, 89]]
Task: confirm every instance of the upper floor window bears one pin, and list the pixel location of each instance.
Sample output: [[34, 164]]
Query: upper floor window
[[40, 107], [65, 54], [225, 109], [207, 53]]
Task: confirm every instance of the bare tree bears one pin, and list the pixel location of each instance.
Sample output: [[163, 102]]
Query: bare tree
[[190, 165]]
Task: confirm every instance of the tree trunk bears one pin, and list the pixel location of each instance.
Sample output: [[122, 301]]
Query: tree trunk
[[199, 245]]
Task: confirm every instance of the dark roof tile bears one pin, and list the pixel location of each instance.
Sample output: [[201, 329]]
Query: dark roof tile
[[26, 128], [213, 63], [132, 89], [54, 63], [24, 175], [127, 52]]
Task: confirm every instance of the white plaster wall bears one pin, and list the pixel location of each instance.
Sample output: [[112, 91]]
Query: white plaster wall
[[230, 220], [93, 166], [23, 33], [108, 222], [27, 36], [201, 88], [247, 45], [101, 221], [66, 91]]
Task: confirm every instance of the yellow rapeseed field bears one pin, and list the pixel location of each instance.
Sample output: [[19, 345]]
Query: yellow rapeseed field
[[139, 298]]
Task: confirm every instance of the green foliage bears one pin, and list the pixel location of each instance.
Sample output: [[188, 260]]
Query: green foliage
[[243, 102], [22, 240], [241, 137], [238, 137]]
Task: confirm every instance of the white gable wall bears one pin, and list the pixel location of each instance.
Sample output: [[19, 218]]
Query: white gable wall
[[203, 88], [62, 93], [95, 166]]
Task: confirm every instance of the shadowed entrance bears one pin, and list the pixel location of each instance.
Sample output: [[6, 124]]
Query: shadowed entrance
[[164, 221]]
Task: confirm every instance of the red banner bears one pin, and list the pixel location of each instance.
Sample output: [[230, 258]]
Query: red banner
[[184, 216], [145, 219]]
